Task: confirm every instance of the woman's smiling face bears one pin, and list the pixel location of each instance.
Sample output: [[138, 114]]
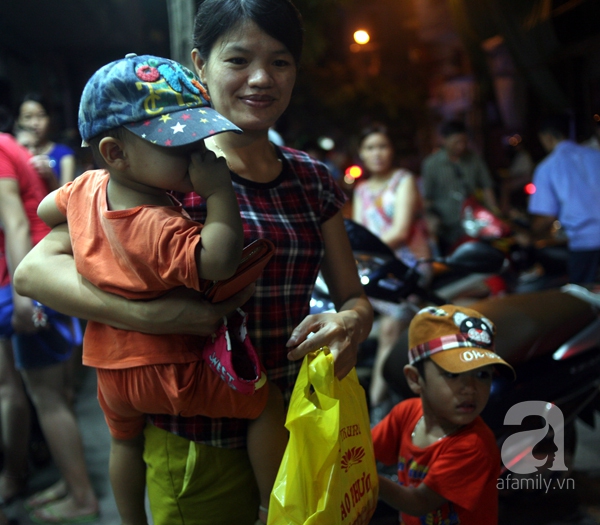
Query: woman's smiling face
[[249, 75]]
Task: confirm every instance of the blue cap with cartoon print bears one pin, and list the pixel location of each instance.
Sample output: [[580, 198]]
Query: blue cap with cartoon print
[[156, 98]]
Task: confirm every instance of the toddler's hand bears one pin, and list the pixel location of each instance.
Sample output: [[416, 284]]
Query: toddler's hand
[[208, 173]]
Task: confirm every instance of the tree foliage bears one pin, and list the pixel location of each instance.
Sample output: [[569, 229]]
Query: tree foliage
[[335, 91]]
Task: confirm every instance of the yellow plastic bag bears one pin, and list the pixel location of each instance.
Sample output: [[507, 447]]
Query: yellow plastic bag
[[328, 474]]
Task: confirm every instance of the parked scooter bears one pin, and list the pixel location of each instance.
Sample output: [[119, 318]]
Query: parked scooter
[[527, 269], [550, 337]]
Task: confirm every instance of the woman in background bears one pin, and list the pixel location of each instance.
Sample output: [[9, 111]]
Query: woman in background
[[54, 162], [389, 204]]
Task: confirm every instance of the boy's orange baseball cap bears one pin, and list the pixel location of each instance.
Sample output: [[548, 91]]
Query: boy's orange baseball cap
[[455, 338]]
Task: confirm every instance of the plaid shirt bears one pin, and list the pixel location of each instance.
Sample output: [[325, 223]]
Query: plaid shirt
[[289, 211]]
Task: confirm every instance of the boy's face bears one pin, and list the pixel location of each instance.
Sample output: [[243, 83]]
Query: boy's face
[[160, 167], [455, 399]]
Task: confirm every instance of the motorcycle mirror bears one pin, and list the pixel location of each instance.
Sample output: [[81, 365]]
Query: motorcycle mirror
[[362, 240], [475, 257]]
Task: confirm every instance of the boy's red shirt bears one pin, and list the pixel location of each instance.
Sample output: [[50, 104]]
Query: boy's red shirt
[[463, 467]]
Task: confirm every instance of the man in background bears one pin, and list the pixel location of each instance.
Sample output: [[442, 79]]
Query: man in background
[[567, 186], [451, 175]]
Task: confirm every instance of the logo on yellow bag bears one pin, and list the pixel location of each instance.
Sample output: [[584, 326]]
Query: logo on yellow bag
[[353, 456]]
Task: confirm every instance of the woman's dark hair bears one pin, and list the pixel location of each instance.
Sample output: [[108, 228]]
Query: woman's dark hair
[[36, 97], [278, 18], [375, 127]]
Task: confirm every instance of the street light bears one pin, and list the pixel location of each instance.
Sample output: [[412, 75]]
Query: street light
[[368, 59], [361, 37], [361, 41]]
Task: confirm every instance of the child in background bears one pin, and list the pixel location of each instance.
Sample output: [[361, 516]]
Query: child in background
[[447, 457], [54, 162], [145, 118]]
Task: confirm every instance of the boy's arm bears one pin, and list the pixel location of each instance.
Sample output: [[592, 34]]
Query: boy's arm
[[49, 212], [416, 501], [219, 252]]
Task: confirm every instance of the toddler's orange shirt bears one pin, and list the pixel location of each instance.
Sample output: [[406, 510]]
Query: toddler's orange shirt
[[138, 253]]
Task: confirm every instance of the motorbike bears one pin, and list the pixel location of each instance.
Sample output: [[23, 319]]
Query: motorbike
[[525, 269], [551, 337]]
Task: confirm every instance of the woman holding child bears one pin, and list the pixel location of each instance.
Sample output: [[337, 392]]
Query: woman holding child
[[247, 53]]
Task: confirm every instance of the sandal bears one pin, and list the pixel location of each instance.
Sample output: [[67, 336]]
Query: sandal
[[48, 516], [48, 495]]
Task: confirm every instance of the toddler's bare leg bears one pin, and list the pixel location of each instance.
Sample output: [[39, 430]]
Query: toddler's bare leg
[[267, 439], [127, 472]]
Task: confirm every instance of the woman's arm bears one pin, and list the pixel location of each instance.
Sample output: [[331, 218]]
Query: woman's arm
[[344, 330], [48, 274], [406, 204], [356, 207], [17, 242]]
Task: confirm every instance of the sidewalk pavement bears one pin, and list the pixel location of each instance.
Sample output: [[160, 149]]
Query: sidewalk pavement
[[96, 441]]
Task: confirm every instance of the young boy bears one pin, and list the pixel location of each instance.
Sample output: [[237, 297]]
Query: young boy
[[145, 119], [447, 457]]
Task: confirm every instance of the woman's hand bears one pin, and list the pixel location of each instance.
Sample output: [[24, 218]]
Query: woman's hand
[[340, 331], [43, 165], [343, 330], [22, 318]]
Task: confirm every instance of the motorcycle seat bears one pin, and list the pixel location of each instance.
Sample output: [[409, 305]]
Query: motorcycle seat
[[532, 324]]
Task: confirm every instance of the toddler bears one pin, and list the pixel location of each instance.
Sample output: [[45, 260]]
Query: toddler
[[145, 119]]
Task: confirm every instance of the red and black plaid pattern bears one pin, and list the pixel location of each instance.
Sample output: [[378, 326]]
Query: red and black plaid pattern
[[447, 342], [289, 211]]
